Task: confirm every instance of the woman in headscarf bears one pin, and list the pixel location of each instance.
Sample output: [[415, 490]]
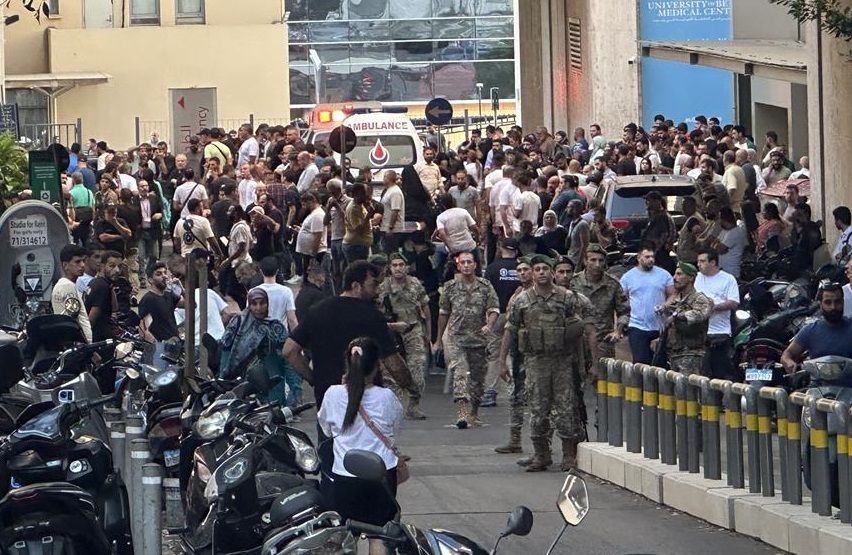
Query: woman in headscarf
[[253, 338], [551, 233]]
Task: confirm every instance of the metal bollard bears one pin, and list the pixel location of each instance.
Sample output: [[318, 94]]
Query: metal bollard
[[711, 407], [650, 399], [666, 415], [139, 453], [693, 426], [764, 431], [111, 415], [680, 389], [603, 416], [614, 393], [632, 379], [152, 502], [794, 446], [752, 438], [133, 429], [174, 505], [734, 436], [840, 411], [117, 442], [820, 479]]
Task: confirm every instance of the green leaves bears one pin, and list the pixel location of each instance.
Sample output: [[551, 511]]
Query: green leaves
[[13, 170]]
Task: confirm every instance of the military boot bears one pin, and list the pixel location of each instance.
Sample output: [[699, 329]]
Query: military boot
[[413, 412], [514, 445], [524, 461], [542, 458], [569, 454], [474, 420], [462, 414]]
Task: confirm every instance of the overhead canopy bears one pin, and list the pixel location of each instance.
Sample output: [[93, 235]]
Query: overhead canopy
[[55, 83], [784, 60]]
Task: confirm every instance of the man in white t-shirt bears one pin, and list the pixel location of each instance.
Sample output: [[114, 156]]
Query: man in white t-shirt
[[249, 148], [65, 298], [247, 187], [843, 248], [282, 304], [218, 316], [193, 231], [508, 198], [721, 287], [189, 189], [456, 229], [311, 242], [647, 286], [393, 220], [731, 243], [528, 203]]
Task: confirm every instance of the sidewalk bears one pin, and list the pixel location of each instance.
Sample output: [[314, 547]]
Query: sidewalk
[[793, 528]]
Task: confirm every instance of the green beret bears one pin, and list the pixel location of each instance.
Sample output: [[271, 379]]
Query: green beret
[[541, 259], [562, 259], [378, 260], [524, 260], [687, 268], [396, 256], [596, 249]]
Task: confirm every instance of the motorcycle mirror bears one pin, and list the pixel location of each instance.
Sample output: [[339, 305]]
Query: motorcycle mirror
[[573, 500], [519, 523], [365, 465], [123, 349]]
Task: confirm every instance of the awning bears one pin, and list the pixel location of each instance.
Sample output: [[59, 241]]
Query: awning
[[784, 60], [55, 83]]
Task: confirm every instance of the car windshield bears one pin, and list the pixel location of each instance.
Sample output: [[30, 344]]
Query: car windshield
[[383, 151]]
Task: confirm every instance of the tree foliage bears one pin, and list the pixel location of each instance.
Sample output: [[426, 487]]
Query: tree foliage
[[37, 8], [832, 17], [14, 172]]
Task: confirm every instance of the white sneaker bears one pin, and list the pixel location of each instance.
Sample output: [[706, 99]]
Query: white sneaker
[[295, 280]]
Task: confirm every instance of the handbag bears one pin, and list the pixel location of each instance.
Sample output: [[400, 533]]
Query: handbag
[[402, 471]]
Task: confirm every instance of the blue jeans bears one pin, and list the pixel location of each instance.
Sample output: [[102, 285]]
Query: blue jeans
[[640, 344]]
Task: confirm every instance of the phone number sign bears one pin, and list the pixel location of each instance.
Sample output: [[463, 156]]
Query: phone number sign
[[28, 232]]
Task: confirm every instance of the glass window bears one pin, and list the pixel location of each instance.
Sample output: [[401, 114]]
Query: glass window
[[53, 6], [493, 28], [189, 12], [411, 30], [495, 50], [329, 31], [411, 82], [297, 33], [312, 10], [487, 7], [401, 150], [496, 74], [332, 53], [144, 12], [418, 51], [454, 29], [456, 81], [370, 53], [369, 30]]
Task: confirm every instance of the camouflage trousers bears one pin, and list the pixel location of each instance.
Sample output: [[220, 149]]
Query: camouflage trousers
[[687, 364], [416, 358], [517, 395], [468, 365], [552, 397], [130, 268]]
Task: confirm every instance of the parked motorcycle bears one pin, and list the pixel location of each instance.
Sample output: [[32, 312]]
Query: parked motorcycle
[[65, 495]]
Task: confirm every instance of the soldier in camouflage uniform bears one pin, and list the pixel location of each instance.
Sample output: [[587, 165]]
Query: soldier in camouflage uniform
[[516, 382], [467, 315], [404, 297], [549, 323], [687, 317]]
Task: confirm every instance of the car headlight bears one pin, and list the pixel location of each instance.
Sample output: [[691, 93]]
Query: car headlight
[[306, 455], [212, 425]]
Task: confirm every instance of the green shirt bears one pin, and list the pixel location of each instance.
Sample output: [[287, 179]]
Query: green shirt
[[81, 196]]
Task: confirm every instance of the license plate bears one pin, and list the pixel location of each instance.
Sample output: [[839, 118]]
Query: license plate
[[172, 457], [758, 375]]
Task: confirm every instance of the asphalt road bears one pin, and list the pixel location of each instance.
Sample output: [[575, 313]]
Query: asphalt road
[[458, 483]]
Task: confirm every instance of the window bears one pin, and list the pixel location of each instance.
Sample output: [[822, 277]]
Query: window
[[575, 45], [53, 6], [144, 12], [189, 12]]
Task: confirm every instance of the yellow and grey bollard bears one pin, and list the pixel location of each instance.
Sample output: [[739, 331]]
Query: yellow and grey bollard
[[632, 379], [650, 430], [734, 436], [681, 385], [752, 437], [139, 454], [779, 397], [711, 407], [133, 429], [666, 415], [152, 503], [838, 416], [615, 393], [764, 431], [693, 426], [603, 416], [794, 446], [820, 468]]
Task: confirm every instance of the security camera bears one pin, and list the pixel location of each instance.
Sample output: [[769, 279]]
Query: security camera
[[631, 60]]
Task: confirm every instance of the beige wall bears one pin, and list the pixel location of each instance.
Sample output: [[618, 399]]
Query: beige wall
[[140, 84]]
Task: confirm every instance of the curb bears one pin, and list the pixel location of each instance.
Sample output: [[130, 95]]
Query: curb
[[793, 528]]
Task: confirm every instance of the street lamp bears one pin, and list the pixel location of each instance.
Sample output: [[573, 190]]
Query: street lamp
[[479, 96], [317, 63]]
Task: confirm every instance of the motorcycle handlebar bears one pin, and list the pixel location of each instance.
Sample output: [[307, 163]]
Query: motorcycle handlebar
[[302, 408], [88, 405], [364, 528]]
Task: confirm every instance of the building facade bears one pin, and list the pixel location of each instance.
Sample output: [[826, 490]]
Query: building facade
[[108, 63], [401, 51]]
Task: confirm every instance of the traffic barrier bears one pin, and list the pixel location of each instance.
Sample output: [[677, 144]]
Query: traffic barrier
[[133, 429], [139, 454], [678, 419], [152, 502], [117, 443]]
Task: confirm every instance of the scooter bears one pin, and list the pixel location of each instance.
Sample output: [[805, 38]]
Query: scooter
[[63, 494], [301, 523]]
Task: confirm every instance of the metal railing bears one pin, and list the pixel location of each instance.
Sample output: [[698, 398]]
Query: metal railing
[[677, 419], [38, 136]]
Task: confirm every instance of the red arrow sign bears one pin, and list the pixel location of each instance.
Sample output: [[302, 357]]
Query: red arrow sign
[[182, 102]]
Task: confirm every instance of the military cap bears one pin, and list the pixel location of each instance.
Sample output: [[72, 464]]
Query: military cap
[[541, 259], [687, 268]]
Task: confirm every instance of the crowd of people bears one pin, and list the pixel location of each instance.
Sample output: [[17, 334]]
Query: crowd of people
[[490, 258]]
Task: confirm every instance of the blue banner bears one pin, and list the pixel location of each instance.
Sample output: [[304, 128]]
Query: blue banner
[[677, 90]]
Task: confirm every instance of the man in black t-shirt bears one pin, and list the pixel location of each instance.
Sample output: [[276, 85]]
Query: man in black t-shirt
[[268, 225], [157, 307], [221, 220], [111, 232], [100, 300]]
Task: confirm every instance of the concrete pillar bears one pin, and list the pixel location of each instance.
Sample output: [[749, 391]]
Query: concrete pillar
[[830, 122], [528, 49]]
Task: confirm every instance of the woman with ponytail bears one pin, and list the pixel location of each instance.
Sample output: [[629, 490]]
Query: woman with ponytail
[[347, 410]]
